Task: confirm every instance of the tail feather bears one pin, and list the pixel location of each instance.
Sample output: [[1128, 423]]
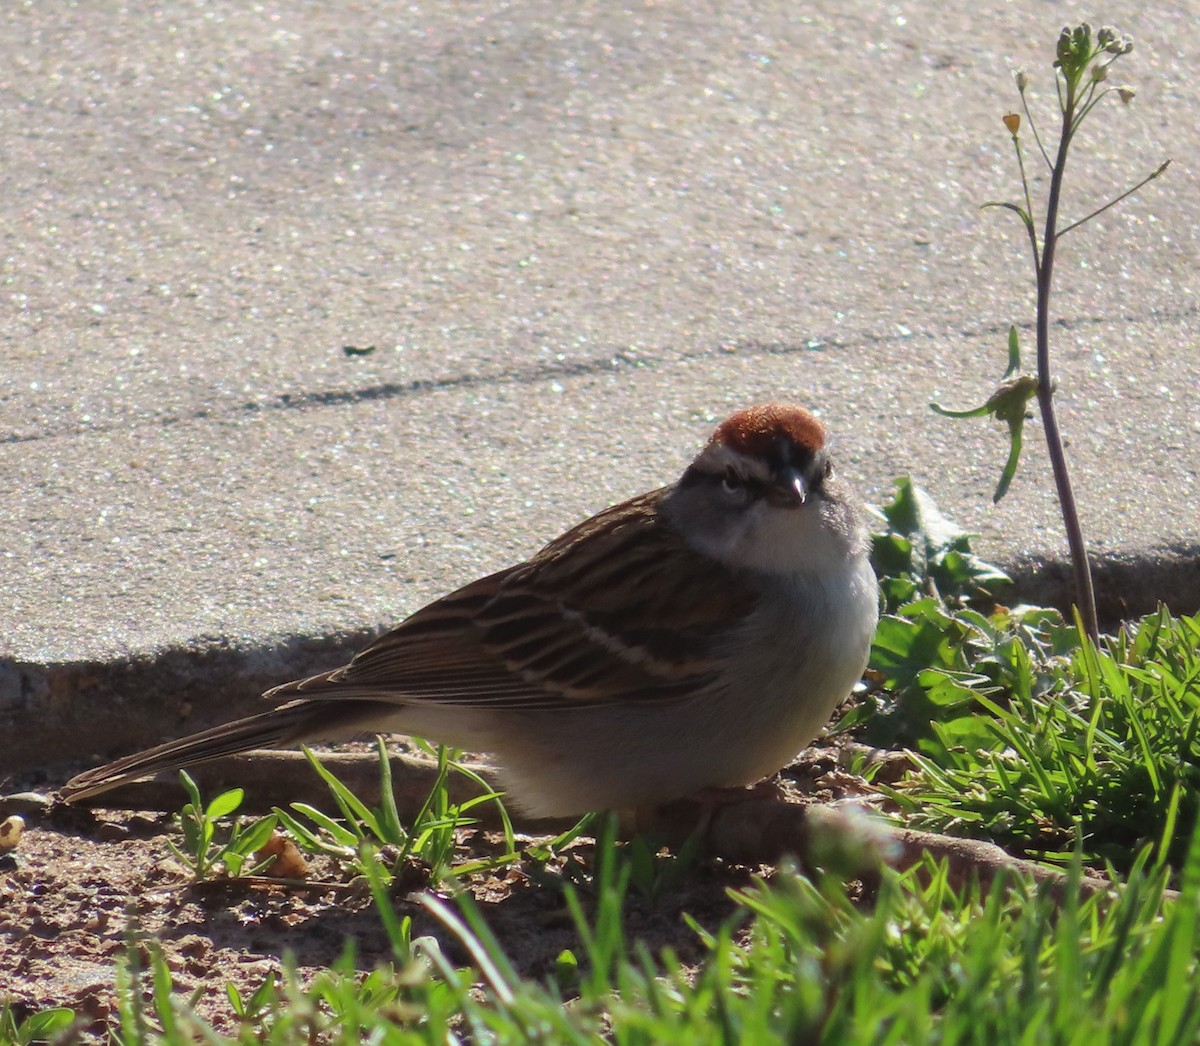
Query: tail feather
[[291, 724]]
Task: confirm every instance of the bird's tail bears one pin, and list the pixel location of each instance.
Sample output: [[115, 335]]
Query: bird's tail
[[291, 724]]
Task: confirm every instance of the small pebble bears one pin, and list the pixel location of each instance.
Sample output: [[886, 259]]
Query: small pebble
[[287, 861], [110, 832], [11, 830]]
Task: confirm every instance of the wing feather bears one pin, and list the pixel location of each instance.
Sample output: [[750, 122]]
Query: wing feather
[[579, 623]]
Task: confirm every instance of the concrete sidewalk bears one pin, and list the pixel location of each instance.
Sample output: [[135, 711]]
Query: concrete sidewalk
[[315, 312]]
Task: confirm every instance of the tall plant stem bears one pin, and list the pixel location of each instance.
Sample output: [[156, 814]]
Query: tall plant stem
[[1085, 597]]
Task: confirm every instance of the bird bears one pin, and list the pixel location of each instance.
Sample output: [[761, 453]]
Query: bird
[[693, 638]]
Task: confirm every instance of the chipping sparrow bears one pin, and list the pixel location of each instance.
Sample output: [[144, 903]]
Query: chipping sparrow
[[696, 636]]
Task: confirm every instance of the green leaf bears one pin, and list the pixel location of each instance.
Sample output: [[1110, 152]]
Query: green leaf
[[1020, 212], [255, 837], [389, 816], [193, 792], [342, 835], [226, 803], [45, 1024], [973, 412], [1009, 403], [1015, 429], [1014, 352], [353, 809], [923, 552]]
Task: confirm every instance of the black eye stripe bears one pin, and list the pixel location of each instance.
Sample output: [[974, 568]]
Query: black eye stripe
[[732, 481], [752, 488]]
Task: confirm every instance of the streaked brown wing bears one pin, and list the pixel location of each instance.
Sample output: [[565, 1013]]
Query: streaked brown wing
[[582, 621]]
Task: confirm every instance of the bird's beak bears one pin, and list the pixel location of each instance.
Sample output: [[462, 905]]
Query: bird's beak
[[789, 489]]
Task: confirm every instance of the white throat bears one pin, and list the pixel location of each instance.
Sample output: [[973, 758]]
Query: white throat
[[774, 540]]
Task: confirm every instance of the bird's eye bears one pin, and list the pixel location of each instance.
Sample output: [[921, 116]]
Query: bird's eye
[[731, 483]]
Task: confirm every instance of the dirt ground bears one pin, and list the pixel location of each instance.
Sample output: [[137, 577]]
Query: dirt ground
[[80, 883]]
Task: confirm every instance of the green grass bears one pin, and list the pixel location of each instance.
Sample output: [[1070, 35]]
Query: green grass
[[800, 961], [1044, 750], [1023, 730], [429, 841]]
